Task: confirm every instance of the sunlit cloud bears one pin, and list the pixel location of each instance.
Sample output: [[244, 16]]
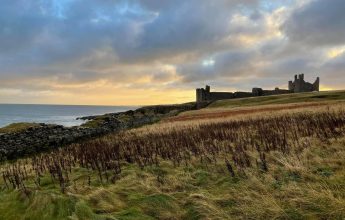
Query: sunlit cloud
[[208, 62], [334, 52], [132, 52]]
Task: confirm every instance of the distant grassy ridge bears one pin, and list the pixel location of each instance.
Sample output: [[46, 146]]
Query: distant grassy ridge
[[281, 99], [217, 113], [17, 127]]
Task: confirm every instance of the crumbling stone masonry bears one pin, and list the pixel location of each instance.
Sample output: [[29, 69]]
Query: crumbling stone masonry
[[299, 85]]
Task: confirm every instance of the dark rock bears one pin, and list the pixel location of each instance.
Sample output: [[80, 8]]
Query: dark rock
[[46, 137]]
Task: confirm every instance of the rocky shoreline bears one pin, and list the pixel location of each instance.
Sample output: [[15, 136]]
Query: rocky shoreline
[[45, 137]]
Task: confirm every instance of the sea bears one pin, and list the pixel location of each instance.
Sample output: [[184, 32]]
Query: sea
[[53, 114]]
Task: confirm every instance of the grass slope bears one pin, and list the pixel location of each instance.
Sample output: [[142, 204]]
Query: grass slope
[[17, 127], [309, 184], [294, 188], [281, 99]]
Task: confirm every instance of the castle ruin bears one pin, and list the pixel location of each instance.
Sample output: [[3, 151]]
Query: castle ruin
[[299, 85], [296, 86]]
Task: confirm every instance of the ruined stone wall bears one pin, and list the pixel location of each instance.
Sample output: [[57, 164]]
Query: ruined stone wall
[[300, 85], [243, 95], [204, 95], [200, 95], [220, 95], [228, 95], [276, 92], [296, 86], [316, 85]]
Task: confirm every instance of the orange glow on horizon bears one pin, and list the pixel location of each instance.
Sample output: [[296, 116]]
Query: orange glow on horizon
[[326, 88]]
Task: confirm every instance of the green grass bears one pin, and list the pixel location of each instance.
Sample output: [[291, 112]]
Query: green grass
[[281, 99], [95, 123], [17, 127], [308, 187]]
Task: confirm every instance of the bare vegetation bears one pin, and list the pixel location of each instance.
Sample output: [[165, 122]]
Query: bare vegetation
[[210, 113], [232, 141], [285, 164]]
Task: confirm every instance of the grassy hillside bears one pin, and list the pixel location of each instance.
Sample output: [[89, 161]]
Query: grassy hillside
[[17, 127], [281, 99], [281, 164], [293, 188]]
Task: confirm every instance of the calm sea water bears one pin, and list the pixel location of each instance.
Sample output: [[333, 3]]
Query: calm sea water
[[53, 114]]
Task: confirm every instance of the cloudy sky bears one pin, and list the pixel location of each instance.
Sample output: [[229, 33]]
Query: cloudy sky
[[135, 52]]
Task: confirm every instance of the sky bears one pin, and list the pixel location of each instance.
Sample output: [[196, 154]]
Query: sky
[[142, 52]]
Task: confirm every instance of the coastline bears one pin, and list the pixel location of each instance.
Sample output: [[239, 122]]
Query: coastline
[[53, 114], [44, 137]]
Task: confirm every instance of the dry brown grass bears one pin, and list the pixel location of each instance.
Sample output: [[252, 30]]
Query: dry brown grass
[[272, 162], [239, 140], [215, 113], [218, 115]]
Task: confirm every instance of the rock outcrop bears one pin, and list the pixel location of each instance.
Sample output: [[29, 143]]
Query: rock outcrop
[[46, 137]]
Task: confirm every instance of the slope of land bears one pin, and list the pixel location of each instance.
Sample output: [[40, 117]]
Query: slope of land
[[17, 127], [281, 99], [257, 105], [274, 161]]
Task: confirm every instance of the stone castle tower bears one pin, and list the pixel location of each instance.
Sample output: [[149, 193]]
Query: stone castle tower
[[299, 85], [203, 94]]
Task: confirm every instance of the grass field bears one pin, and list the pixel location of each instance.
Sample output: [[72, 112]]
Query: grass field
[[281, 99], [237, 161]]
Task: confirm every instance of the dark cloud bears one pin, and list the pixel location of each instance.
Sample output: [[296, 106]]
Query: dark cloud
[[334, 69], [43, 34], [19, 25], [227, 65], [319, 23], [186, 25], [171, 44], [290, 66]]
